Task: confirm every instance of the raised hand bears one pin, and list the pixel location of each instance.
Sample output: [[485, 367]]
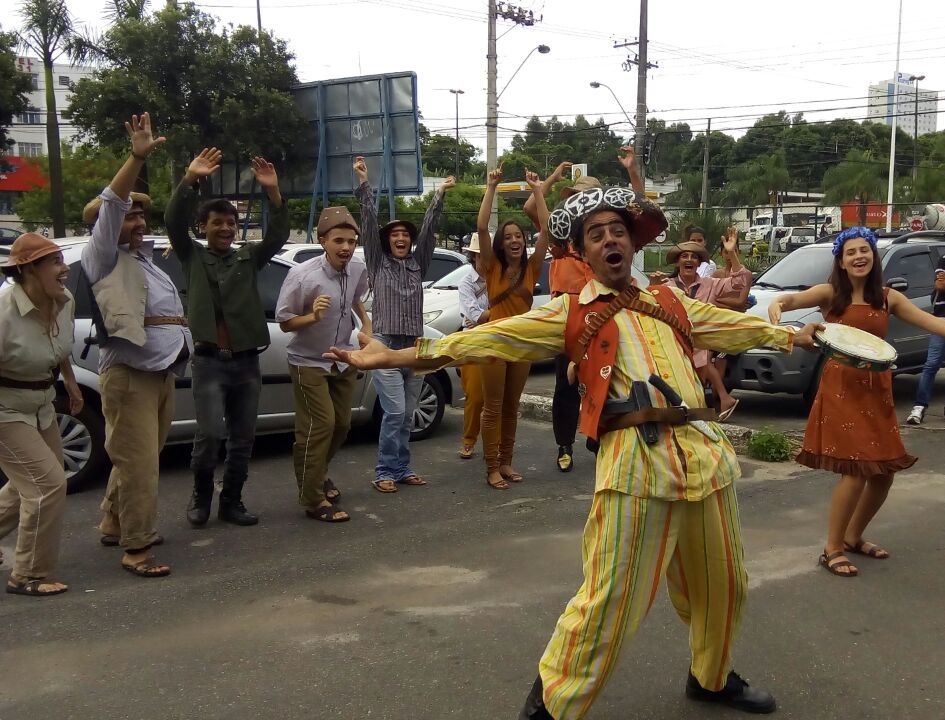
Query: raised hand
[[204, 165], [265, 172], [360, 169], [658, 278], [495, 177], [730, 241], [143, 141], [447, 184], [559, 171], [320, 306], [629, 157], [532, 180]]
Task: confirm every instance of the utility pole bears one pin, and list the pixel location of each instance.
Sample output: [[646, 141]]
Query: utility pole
[[892, 130], [705, 167], [643, 65], [456, 94]]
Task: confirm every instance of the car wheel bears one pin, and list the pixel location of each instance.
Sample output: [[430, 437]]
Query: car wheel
[[83, 444], [429, 410]]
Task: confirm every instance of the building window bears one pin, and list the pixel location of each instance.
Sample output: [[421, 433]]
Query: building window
[[34, 80], [29, 149], [65, 81], [30, 117]]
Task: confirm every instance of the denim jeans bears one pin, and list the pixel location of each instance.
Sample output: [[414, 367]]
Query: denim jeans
[[397, 390], [932, 363], [226, 401]]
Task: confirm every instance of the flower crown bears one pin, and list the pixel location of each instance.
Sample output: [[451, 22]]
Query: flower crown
[[849, 234]]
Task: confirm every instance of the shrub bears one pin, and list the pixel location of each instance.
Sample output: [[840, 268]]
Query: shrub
[[769, 446]]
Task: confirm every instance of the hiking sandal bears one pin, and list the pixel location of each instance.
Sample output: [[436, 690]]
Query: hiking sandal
[[327, 514], [832, 564], [860, 548], [32, 588]]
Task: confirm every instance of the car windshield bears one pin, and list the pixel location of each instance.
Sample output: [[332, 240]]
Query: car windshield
[[802, 269], [451, 280]]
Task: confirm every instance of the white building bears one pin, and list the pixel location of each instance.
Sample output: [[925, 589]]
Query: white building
[[917, 112], [28, 131]]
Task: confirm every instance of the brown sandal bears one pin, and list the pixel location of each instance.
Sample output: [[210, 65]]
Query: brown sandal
[[412, 480], [874, 551], [501, 484], [832, 564]]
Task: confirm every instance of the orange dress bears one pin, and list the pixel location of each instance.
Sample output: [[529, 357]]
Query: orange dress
[[852, 428], [519, 300]]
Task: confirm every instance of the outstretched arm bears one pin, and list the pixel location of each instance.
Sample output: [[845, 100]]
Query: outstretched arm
[[817, 296], [541, 207], [904, 309], [485, 215], [530, 208]]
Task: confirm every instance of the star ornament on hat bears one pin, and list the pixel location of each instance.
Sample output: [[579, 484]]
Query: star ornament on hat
[[644, 219]]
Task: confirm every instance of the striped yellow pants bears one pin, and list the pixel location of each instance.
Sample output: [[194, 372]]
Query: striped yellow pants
[[629, 544]]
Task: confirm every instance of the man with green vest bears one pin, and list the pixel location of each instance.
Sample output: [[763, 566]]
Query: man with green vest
[[229, 327]]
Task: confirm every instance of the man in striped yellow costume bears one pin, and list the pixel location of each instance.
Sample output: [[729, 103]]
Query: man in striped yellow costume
[[665, 507]]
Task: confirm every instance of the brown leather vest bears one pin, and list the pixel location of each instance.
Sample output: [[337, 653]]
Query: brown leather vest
[[595, 367]]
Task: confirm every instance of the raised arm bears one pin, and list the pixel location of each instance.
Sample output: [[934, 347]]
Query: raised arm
[[485, 215], [541, 208], [277, 230], [182, 207], [370, 234], [815, 297], [423, 250], [905, 310], [629, 162], [143, 143], [530, 209]]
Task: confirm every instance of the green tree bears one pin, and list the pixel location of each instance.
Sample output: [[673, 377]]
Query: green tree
[[667, 145], [714, 222], [721, 149], [86, 169], [441, 154], [752, 182], [203, 85], [689, 193], [48, 32], [860, 177], [14, 87]]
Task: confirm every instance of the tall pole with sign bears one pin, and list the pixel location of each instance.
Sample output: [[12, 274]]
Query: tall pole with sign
[[892, 135]]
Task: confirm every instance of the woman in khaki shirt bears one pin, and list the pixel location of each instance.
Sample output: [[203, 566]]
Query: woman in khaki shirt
[[36, 334]]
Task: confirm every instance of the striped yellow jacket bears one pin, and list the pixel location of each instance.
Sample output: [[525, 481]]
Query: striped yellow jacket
[[685, 464]]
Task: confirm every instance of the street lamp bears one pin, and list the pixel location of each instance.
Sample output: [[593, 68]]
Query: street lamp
[[596, 84], [915, 133], [543, 49], [456, 94]]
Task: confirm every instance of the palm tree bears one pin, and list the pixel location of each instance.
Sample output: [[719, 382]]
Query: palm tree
[[860, 177], [753, 182], [48, 32]]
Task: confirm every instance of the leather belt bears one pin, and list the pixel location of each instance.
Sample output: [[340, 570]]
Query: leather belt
[[666, 415], [210, 350], [165, 320], [28, 384]]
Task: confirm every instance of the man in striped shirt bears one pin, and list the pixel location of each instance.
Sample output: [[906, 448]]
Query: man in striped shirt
[[662, 506], [397, 258]]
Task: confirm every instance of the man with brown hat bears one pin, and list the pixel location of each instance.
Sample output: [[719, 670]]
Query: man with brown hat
[[316, 305], [146, 343], [664, 502]]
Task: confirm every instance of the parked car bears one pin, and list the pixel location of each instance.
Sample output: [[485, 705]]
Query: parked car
[[8, 235], [797, 236], [83, 435], [444, 261], [908, 263]]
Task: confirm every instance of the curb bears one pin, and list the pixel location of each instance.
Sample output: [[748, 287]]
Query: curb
[[538, 407]]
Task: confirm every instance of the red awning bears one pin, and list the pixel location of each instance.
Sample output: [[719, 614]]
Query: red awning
[[20, 175]]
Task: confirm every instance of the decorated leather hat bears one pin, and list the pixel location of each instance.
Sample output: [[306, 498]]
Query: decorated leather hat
[[698, 248], [406, 224], [644, 219], [334, 217]]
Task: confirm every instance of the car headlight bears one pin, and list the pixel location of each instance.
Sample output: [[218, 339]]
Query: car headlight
[[429, 317]]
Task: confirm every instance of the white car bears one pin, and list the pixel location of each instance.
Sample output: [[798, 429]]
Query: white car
[[83, 436]]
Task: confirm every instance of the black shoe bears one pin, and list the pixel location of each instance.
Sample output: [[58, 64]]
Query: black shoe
[[535, 704], [736, 694], [235, 512], [198, 509], [565, 458]]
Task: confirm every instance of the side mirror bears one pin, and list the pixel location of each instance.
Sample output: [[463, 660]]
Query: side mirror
[[898, 283], [537, 290]]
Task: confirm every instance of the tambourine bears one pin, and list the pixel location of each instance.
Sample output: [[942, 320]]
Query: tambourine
[[856, 348]]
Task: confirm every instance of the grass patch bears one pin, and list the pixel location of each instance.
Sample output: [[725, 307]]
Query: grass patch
[[770, 446]]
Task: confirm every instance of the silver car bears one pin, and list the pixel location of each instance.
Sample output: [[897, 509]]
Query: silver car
[[83, 436]]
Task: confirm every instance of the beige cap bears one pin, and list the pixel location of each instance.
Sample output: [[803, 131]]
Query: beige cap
[[585, 182], [473, 243], [90, 211], [333, 217]]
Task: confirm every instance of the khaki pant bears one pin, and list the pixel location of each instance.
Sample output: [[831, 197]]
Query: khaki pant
[[322, 421], [138, 408], [472, 411], [34, 497], [502, 386]]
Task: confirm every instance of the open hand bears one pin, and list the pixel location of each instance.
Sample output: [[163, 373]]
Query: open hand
[[559, 171], [265, 172], [658, 278], [143, 142], [629, 157], [204, 165], [447, 184], [320, 306], [360, 169], [495, 177], [804, 338], [373, 355], [532, 180], [730, 241]]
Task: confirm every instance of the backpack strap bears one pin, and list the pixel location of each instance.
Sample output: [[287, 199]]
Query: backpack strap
[[98, 322]]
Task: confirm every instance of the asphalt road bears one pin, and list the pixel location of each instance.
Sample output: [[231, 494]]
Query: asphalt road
[[436, 602]]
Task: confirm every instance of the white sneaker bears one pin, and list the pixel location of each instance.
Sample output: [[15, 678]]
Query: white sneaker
[[916, 416]]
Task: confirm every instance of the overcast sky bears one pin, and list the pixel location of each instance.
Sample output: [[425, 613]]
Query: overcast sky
[[732, 61]]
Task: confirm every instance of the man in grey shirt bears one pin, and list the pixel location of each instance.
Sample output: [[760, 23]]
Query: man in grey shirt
[[397, 258], [136, 375]]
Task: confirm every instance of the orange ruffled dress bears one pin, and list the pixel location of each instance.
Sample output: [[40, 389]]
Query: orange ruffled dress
[[852, 428]]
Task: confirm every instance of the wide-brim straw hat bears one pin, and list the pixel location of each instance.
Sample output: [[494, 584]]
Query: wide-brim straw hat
[[672, 256], [90, 211]]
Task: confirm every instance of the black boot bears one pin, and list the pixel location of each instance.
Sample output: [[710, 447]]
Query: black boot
[[231, 508], [198, 509], [535, 704], [736, 694]]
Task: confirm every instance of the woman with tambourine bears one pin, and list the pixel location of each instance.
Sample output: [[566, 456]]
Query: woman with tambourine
[[510, 283], [852, 429]]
